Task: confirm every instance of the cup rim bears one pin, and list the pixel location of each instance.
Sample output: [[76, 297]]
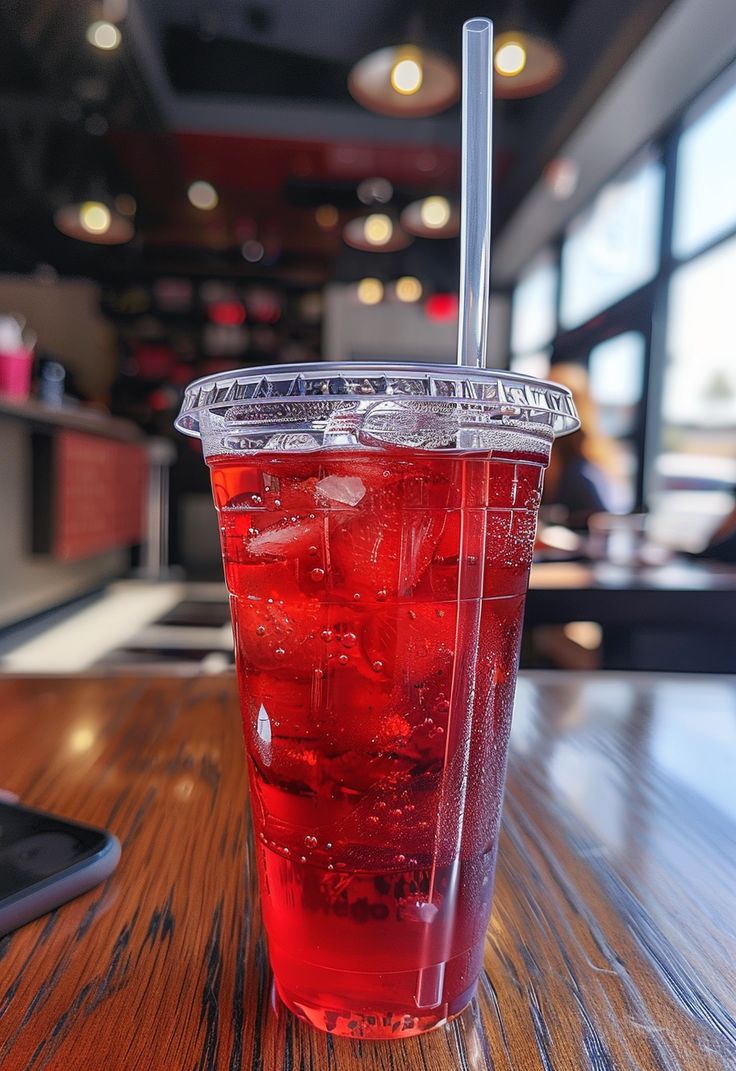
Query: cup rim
[[441, 383]]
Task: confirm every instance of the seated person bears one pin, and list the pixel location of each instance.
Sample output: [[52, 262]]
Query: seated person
[[581, 477]]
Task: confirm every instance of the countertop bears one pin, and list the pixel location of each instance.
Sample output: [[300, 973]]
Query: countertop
[[613, 938]]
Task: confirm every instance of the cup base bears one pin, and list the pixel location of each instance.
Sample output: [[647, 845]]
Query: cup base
[[380, 1025]]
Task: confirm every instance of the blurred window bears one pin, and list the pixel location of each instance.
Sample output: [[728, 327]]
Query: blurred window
[[705, 197], [616, 371], [700, 376], [532, 364], [534, 306], [612, 248], [695, 471], [616, 379]]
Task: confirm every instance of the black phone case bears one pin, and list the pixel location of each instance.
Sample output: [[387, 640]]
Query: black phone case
[[57, 889]]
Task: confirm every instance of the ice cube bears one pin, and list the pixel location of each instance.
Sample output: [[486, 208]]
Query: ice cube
[[348, 490], [287, 538]]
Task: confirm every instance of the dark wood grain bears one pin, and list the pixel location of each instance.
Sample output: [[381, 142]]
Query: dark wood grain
[[612, 944]]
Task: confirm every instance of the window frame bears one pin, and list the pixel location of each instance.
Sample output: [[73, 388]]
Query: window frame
[[645, 309]]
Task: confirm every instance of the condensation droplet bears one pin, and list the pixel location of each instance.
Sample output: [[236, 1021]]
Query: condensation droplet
[[317, 574], [277, 503], [260, 631], [349, 639], [343, 660], [386, 473], [279, 652], [373, 819], [378, 666], [330, 866], [413, 615], [256, 500], [397, 813], [319, 673], [312, 551], [356, 596], [310, 841], [328, 845], [326, 634], [302, 858], [400, 859], [381, 595]]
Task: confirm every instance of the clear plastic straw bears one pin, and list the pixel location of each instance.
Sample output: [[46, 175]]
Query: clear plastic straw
[[475, 208]]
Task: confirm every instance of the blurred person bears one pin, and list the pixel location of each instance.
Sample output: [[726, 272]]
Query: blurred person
[[582, 474]]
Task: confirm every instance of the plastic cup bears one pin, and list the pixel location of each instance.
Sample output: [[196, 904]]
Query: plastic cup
[[377, 525]]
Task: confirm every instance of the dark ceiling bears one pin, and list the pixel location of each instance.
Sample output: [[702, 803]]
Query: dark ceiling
[[253, 98]]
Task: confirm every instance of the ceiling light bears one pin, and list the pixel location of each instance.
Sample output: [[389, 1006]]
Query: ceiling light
[[510, 59], [432, 217], [370, 291], [93, 221], [435, 212], [525, 65], [407, 76], [377, 233], [405, 81], [95, 217], [378, 229], [203, 195], [327, 217], [104, 35], [408, 288]]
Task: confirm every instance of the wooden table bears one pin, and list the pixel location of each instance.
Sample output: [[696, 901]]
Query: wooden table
[[612, 944]]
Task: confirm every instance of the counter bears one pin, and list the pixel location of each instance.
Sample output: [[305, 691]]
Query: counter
[[66, 527]]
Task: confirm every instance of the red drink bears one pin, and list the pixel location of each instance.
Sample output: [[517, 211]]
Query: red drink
[[377, 600]]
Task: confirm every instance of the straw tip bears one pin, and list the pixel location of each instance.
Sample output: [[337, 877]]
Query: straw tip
[[478, 25]]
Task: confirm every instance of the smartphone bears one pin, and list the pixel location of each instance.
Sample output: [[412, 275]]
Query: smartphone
[[46, 860]]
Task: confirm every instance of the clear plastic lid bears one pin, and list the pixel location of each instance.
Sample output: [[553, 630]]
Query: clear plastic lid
[[317, 406]]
